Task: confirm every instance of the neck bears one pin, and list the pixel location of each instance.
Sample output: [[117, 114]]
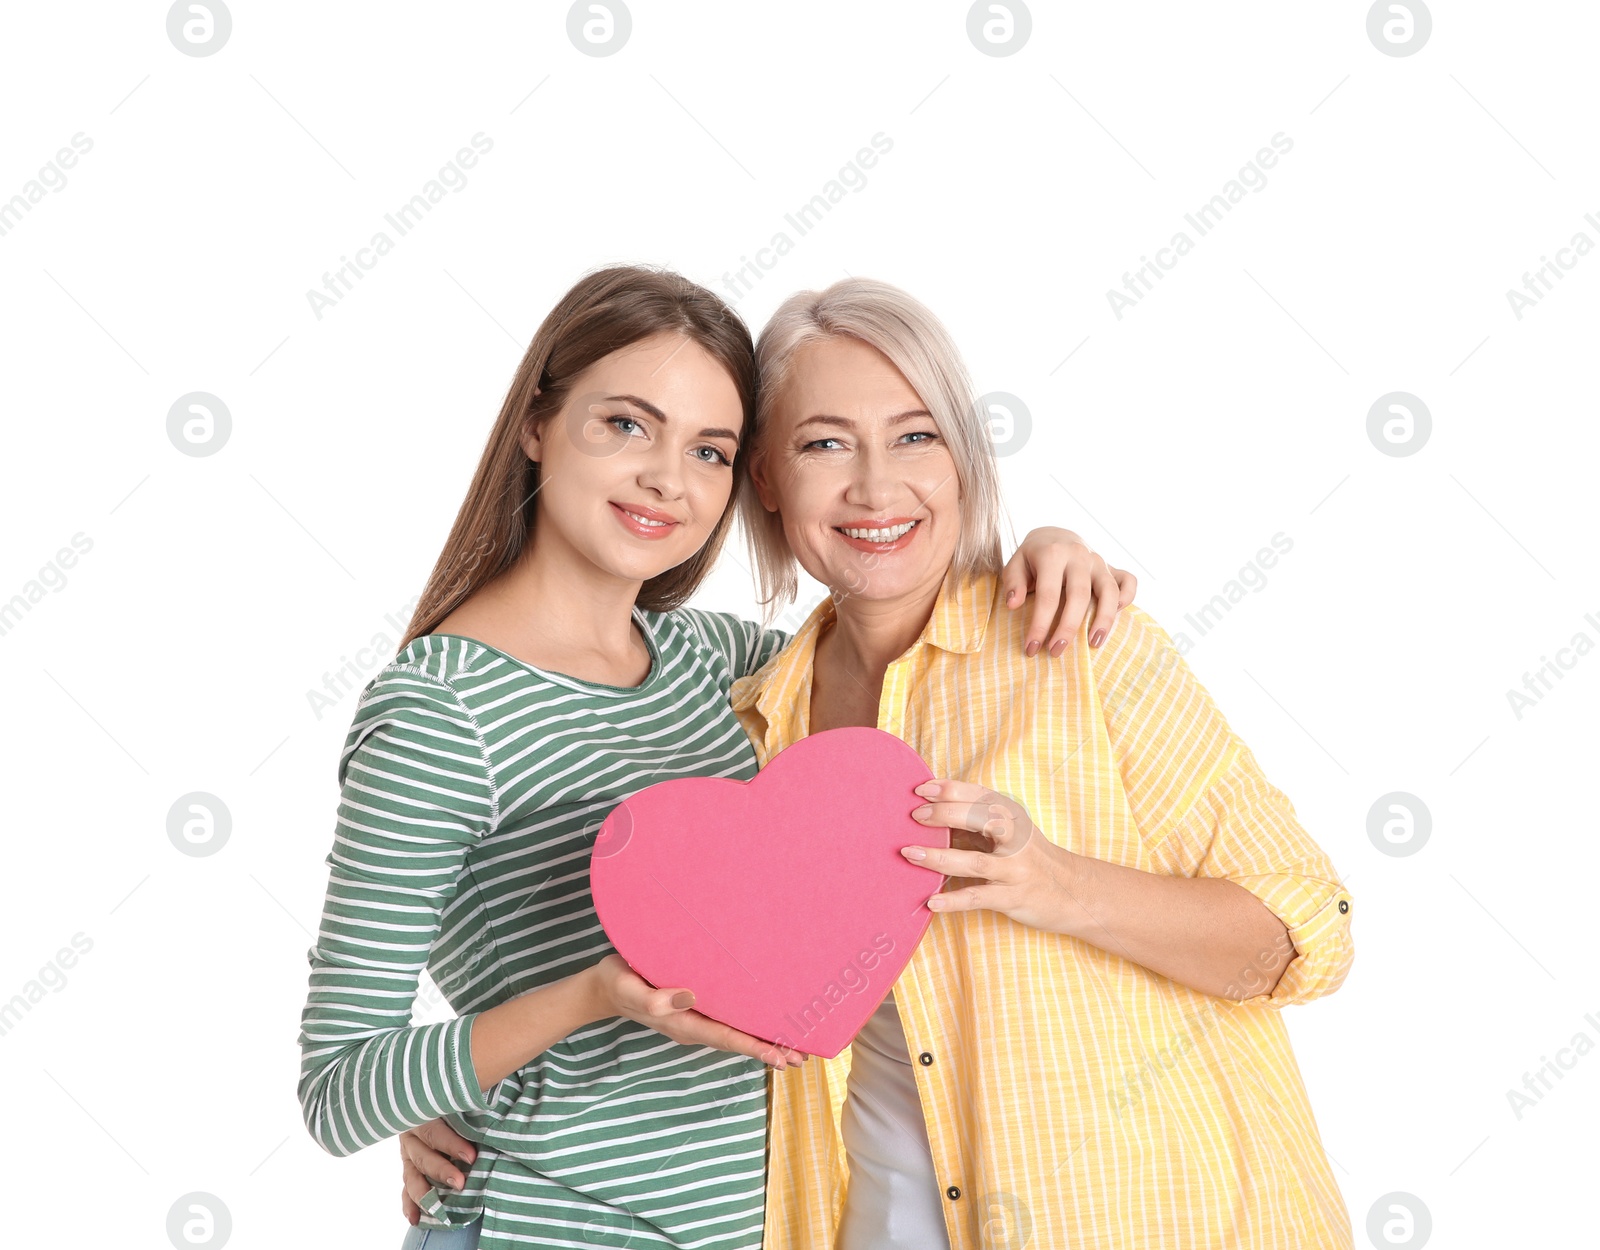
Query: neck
[[565, 602], [870, 634]]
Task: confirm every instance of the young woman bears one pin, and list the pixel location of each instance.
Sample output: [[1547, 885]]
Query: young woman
[[551, 672], [1099, 1055]]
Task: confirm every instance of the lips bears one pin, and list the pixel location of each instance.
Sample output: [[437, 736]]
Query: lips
[[647, 523], [880, 537]]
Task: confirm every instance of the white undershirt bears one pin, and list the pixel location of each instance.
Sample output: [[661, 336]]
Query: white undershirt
[[892, 1201]]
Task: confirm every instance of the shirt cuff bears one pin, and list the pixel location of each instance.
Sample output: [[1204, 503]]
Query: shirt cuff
[[1317, 915], [466, 1093]]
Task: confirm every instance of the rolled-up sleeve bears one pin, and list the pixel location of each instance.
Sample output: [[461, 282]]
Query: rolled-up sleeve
[[1245, 829], [1205, 809]]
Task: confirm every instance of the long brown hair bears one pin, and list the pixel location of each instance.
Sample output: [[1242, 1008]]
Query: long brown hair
[[603, 312]]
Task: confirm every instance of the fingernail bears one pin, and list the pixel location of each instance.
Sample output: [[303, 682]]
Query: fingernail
[[1096, 638], [683, 1001], [914, 852], [1059, 646], [1031, 649], [923, 812], [928, 790]]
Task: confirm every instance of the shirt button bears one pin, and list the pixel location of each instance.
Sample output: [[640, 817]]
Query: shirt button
[[954, 1192], [924, 1058], [1344, 906]]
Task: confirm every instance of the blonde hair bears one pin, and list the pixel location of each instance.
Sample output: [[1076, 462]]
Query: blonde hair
[[916, 343]]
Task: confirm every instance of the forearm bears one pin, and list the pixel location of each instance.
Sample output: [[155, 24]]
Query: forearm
[[520, 1029], [359, 1085], [1208, 933]]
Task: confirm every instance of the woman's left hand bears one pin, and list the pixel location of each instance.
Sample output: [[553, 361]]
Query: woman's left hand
[[1064, 572], [999, 857], [432, 1156]]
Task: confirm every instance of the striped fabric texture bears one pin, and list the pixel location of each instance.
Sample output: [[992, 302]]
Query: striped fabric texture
[[472, 788], [1072, 1097]]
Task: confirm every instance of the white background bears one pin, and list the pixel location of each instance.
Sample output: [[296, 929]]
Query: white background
[[1229, 405]]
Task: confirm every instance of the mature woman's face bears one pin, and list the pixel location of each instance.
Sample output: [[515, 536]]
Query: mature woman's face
[[860, 474]]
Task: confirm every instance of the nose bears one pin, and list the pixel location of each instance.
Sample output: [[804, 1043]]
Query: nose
[[873, 483], [662, 471]]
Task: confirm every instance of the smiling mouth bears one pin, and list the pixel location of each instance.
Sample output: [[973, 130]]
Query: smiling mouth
[[641, 526], [887, 534], [644, 520]]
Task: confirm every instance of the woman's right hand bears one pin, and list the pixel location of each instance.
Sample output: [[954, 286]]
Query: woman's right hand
[[620, 991], [428, 1155]]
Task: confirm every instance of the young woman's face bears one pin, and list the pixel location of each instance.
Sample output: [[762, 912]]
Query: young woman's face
[[860, 474], [636, 468]]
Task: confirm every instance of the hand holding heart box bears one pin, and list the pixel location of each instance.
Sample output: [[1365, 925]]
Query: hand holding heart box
[[782, 902]]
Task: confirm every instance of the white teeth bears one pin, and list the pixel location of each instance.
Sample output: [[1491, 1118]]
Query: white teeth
[[880, 536], [645, 520]]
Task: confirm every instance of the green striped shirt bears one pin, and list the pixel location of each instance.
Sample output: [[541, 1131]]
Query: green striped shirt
[[472, 789]]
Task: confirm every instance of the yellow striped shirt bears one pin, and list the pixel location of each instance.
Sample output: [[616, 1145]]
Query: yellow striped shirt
[[1073, 1097]]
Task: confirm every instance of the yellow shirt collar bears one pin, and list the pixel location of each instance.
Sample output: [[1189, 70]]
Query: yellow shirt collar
[[958, 624]]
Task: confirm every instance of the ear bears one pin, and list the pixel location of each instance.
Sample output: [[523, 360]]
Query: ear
[[532, 440], [762, 483], [532, 434]]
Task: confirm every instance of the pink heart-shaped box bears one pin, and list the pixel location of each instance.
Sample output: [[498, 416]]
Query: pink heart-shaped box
[[783, 902]]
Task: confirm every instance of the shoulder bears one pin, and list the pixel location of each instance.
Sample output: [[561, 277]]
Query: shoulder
[[717, 631], [442, 658], [743, 645], [414, 746], [1136, 641], [418, 697], [1147, 689]]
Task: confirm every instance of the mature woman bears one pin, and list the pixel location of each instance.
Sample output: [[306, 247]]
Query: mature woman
[[1086, 1048]]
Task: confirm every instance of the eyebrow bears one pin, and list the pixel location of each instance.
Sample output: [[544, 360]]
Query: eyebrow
[[708, 432], [825, 418]]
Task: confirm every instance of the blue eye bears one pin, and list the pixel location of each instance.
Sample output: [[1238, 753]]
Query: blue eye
[[715, 451], [818, 442], [631, 421]]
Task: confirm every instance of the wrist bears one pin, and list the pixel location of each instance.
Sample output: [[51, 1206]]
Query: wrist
[[1075, 885], [590, 991]]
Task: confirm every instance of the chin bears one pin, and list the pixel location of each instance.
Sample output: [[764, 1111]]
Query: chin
[[633, 565], [871, 584]]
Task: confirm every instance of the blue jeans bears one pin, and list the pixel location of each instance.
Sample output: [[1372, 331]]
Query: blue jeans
[[463, 1238]]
